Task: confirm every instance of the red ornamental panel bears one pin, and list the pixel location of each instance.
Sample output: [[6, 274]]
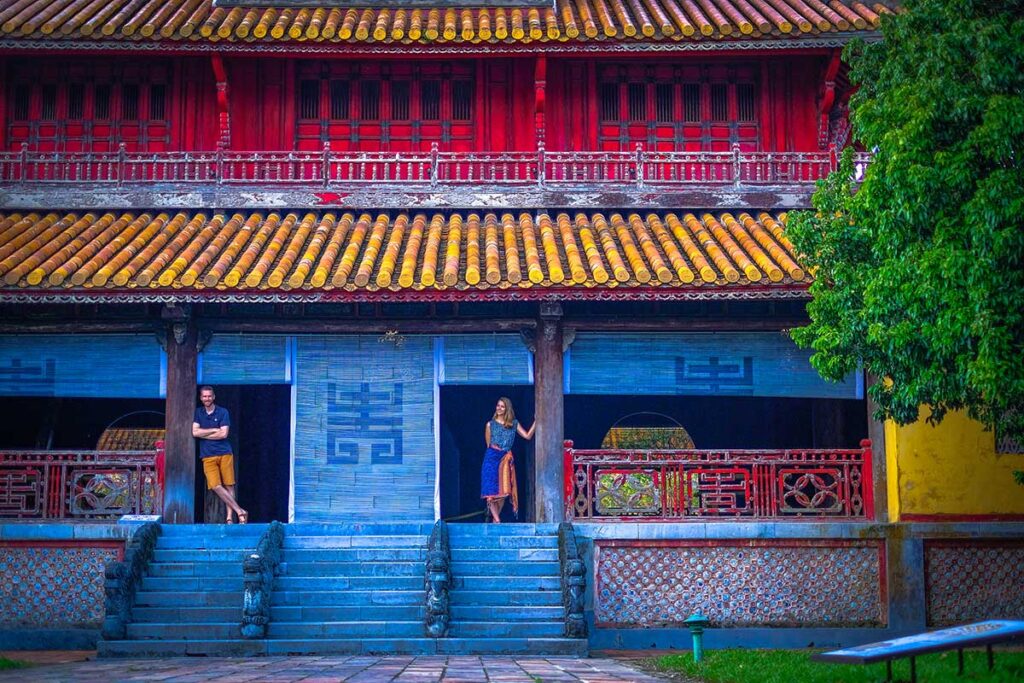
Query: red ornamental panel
[[79, 485], [676, 485]]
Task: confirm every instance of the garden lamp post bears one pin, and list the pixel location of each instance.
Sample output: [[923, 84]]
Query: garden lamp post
[[696, 624]]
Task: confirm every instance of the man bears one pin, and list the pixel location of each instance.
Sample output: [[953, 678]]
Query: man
[[211, 426]]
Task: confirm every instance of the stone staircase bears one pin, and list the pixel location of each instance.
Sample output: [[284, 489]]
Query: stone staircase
[[506, 592], [190, 601], [351, 589]]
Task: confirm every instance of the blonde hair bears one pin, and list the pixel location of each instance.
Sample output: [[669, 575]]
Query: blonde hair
[[510, 413]]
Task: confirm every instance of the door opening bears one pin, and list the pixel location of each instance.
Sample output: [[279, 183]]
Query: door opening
[[465, 410]]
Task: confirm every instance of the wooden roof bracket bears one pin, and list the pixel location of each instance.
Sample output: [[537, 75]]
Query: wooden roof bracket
[[220, 74]]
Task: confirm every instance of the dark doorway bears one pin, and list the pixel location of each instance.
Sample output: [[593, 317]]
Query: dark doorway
[[726, 421], [260, 438], [465, 410], [73, 423]]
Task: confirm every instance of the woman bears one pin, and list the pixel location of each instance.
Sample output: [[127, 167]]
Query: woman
[[498, 474]]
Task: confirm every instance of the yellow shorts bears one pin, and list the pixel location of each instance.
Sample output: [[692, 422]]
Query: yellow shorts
[[219, 469]]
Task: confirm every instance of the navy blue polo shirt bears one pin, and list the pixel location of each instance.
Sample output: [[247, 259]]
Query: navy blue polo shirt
[[215, 420]]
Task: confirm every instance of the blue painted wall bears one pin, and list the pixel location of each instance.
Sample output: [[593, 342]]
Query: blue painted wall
[[698, 364], [99, 366], [246, 359], [484, 359], [364, 429]]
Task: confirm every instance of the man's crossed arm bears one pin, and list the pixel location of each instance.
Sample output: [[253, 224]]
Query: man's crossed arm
[[213, 433]]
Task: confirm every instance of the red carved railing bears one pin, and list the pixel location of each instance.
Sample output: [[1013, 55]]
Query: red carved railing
[[634, 485], [540, 168], [80, 484]]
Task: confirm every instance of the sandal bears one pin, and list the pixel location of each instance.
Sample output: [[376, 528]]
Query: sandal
[[243, 517], [230, 520]]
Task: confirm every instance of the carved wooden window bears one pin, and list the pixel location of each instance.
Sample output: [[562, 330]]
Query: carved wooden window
[[676, 108], [57, 106], [387, 106]]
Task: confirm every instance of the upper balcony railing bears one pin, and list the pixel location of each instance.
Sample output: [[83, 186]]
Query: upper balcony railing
[[326, 168]]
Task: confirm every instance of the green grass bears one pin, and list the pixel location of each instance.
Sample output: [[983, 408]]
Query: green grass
[[790, 666], [6, 664]]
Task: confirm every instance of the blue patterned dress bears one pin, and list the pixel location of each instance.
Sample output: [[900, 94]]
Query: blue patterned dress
[[502, 438]]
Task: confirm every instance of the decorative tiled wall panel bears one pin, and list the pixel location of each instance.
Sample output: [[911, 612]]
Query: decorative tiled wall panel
[[81, 365], [698, 364], [364, 429], [974, 581], [51, 585], [740, 583]]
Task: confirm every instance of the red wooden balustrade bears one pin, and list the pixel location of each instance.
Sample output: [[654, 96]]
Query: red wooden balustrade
[[36, 484], [640, 168], [680, 485]]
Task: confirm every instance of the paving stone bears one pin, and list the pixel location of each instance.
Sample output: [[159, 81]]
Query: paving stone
[[351, 669]]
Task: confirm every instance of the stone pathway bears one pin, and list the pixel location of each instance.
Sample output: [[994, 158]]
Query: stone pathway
[[358, 669]]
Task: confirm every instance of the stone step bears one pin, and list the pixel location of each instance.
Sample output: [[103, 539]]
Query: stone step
[[189, 555], [324, 646], [212, 530], [514, 613], [212, 630], [345, 629], [192, 584], [204, 598], [318, 569], [236, 647], [502, 598], [348, 613], [354, 554], [506, 583], [350, 598], [504, 542], [359, 529], [405, 541], [458, 530], [195, 569], [504, 554], [231, 543], [504, 629], [462, 568], [187, 615], [351, 646], [338, 583]]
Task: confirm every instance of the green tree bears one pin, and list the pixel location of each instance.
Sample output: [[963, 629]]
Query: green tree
[[918, 269]]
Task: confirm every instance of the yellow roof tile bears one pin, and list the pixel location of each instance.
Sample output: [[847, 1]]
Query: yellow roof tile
[[393, 252], [180, 20]]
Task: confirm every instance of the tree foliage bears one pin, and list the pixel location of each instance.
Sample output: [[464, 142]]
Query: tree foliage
[[918, 270]]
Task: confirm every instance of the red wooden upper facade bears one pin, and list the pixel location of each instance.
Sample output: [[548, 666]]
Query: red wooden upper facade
[[669, 103]]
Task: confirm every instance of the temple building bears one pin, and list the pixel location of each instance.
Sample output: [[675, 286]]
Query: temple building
[[362, 225]]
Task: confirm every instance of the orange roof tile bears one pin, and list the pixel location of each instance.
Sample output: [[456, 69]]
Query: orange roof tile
[[191, 21], [394, 255]]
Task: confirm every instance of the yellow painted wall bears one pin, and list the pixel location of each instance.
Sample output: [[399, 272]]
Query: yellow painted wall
[[949, 469]]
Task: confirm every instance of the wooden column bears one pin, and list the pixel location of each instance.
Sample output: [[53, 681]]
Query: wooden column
[[220, 74], [180, 472], [540, 83], [550, 415]]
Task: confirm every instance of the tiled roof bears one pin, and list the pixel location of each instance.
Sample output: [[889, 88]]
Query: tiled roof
[[397, 253], [568, 20]]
